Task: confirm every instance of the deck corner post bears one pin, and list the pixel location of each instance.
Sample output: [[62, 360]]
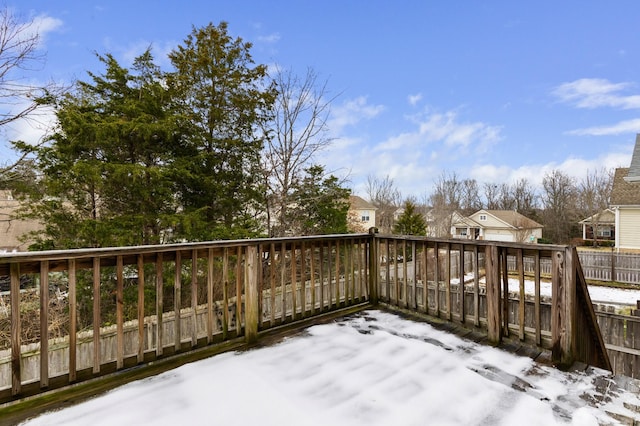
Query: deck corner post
[[494, 313], [563, 308], [374, 274], [251, 294]]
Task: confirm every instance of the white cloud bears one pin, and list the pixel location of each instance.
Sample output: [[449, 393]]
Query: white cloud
[[44, 25], [414, 99], [595, 93], [269, 38], [534, 173], [627, 126], [352, 112], [446, 129]]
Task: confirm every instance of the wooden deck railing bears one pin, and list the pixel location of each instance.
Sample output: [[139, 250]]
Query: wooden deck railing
[[69, 316], [470, 282]]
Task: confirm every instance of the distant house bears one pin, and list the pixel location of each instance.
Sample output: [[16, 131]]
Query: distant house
[[600, 226], [625, 202], [497, 225], [11, 229], [362, 212]]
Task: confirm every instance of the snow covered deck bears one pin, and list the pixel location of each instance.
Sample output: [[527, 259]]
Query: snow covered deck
[[371, 368]]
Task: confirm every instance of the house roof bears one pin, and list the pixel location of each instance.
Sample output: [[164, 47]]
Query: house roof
[[624, 192], [634, 169], [606, 216], [360, 203], [514, 219]]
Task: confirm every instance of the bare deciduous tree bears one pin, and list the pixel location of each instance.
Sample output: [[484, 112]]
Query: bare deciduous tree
[[299, 132], [594, 192], [559, 201], [445, 200], [384, 195], [20, 100]]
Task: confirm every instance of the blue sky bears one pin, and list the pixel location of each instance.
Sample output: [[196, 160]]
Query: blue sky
[[490, 90]]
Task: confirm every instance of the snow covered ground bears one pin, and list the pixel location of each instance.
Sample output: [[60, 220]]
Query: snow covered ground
[[373, 368], [599, 294]]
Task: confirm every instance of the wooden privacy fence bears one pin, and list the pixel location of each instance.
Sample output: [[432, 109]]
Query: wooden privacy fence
[[596, 265], [621, 334], [74, 315]]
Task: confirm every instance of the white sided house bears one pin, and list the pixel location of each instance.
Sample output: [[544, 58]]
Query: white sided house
[[497, 225], [625, 202]]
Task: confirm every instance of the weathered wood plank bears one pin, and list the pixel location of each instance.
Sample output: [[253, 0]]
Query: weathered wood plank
[[538, 318], [159, 305], [252, 315], [239, 285], [177, 302], [44, 324], [225, 294], [461, 285], [494, 321], [521, 294], [73, 320], [210, 290], [140, 308], [436, 278], [120, 312], [16, 368], [272, 282], [194, 297], [505, 291], [476, 287], [447, 274], [294, 281], [312, 272]]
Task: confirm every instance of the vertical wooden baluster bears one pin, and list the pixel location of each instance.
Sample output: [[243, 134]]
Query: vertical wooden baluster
[[140, 308], [44, 324], [16, 367], [177, 302], [521, 311], [159, 305], [538, 318], [119, 312], [239, 279], [225, 294], [210, 287], [194, 298], [73, 321], [272, 280]]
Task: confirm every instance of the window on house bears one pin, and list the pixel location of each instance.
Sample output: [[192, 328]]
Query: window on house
[[483, 217], [604, 232], [365, 215]]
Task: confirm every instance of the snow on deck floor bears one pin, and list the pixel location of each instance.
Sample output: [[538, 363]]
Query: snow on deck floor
[[373, 368]]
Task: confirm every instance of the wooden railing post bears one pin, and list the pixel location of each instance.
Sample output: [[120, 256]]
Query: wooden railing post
[[494, 312], [374, 263], [16, 370], [563, 308], [251, 313]]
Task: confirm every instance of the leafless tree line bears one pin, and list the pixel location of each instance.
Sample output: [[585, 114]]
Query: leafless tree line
[[559, 204]]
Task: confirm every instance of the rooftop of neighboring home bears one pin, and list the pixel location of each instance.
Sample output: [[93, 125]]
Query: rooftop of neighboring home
[[359, 203], [626, 181]]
